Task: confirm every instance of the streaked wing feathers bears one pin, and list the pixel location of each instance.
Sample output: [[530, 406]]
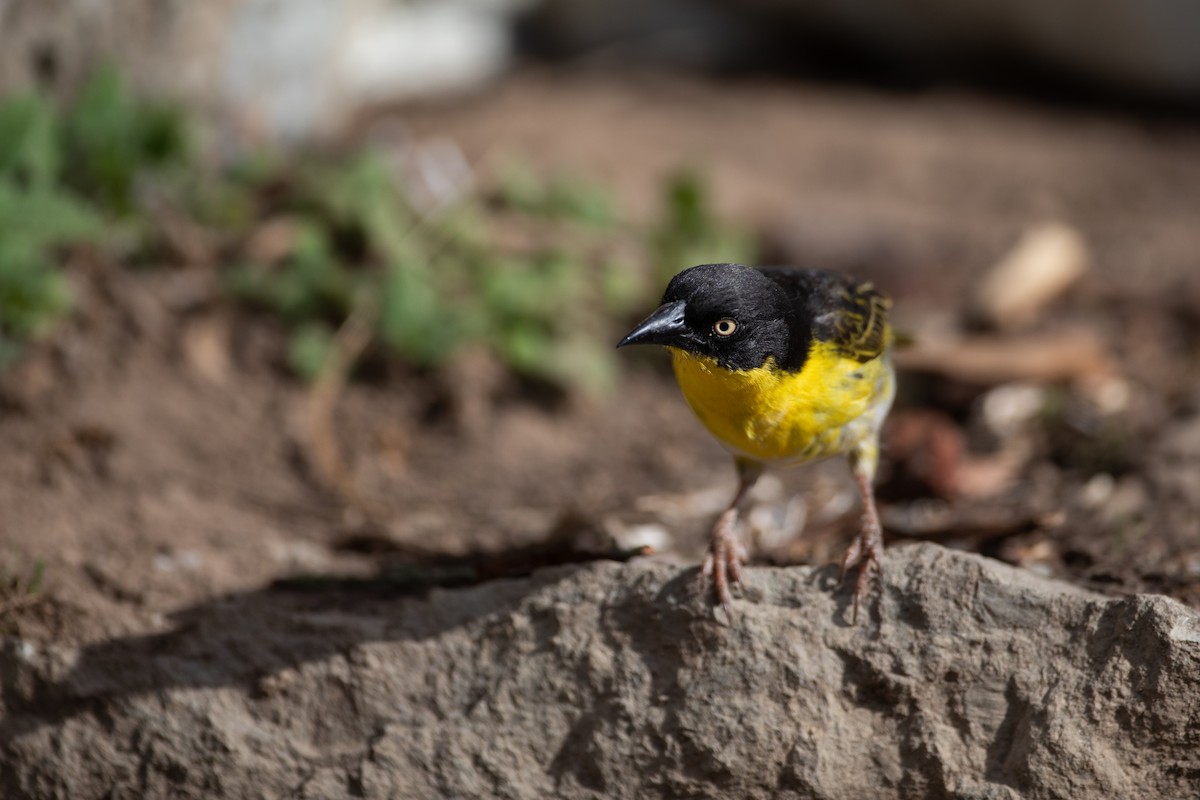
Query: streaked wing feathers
[[857, 324], [850, 315]]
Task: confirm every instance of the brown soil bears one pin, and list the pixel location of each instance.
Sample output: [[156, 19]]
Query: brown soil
[[156, 456]]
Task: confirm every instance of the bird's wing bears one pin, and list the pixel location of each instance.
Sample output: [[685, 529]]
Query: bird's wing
[[851, 316]]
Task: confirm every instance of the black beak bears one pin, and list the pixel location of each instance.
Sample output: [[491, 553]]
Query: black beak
[[664, 326]]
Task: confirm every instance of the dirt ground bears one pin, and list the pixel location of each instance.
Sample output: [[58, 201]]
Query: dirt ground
[[157, 458]]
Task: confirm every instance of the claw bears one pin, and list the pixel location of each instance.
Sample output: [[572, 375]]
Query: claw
[[853, 554], [863, 553], [723, 562], [735, 572], [869, 560], [725, 553]]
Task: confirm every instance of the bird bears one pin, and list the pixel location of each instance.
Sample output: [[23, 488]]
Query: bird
[[783, 366]]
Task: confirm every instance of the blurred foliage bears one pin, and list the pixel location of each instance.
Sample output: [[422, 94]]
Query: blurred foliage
[[541, 270], [110, 139], [64, 176], [346, 235], [689, 231], [559, 197]]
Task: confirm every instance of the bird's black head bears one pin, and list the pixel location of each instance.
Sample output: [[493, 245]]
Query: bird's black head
[[728, 312]]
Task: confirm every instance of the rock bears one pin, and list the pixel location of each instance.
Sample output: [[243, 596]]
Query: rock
[[969, 679], [306, 69], [262, 69], [1019, 289]]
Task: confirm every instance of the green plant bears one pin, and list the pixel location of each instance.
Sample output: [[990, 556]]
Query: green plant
[[538, 268], [689, 232], [445, 281], [29, 151], [37, 218], [63, 175], [34, 293], [559, 197], [111, 139]]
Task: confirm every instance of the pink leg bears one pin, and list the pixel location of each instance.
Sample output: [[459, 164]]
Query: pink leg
[[866, 548], [725, 552]]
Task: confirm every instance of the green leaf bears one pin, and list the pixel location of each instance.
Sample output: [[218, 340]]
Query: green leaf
[[111, 137], [34, 294], [29, 148], [308, 348], [526, 347], [687, 204], [581, 201], [40, 219], [520, 188], [413, 320]]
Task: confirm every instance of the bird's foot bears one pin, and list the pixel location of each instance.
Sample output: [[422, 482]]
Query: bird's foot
[[723, 562], [863, 553]]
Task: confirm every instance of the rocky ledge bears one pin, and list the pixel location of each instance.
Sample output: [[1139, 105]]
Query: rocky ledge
[[965, 678]]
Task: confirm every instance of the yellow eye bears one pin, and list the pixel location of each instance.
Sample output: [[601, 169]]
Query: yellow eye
[[724, 327]]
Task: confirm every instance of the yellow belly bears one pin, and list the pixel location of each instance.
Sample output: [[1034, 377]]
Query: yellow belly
[[833, 405]]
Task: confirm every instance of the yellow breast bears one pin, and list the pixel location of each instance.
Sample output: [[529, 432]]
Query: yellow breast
[[769, 414]]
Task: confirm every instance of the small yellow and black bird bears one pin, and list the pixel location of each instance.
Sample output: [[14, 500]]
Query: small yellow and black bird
[[783, 366]]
